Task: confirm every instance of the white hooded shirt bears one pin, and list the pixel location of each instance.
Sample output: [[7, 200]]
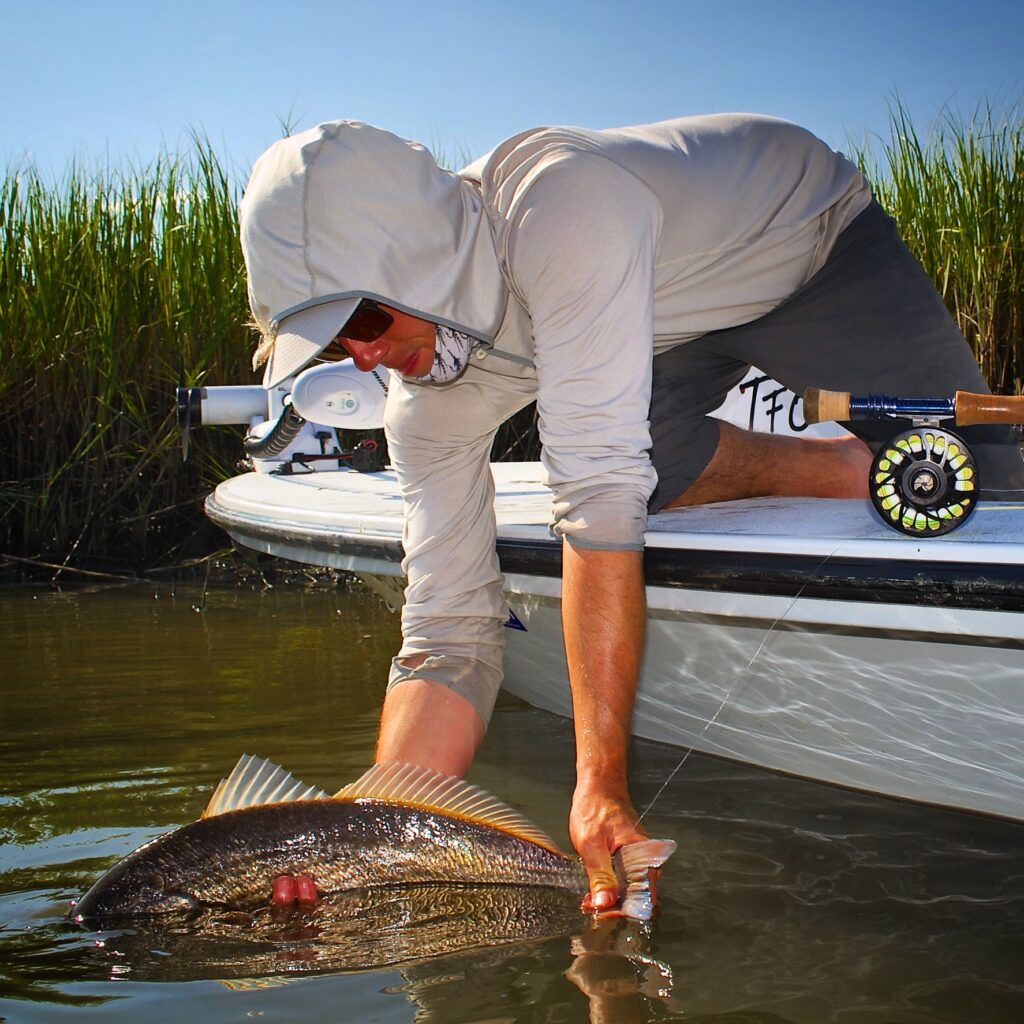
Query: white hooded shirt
[[574, 256]]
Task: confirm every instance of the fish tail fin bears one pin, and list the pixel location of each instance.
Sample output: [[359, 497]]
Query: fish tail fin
[[636, 859], [633, 864]]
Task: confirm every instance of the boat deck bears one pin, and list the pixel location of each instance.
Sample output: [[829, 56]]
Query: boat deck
[[368, 505]]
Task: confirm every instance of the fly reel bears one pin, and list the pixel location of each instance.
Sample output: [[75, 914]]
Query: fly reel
[[924, 482]]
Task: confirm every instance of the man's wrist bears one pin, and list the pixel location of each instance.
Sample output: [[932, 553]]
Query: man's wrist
[[607, 782]]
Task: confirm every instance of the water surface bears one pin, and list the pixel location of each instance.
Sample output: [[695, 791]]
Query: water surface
[[787, 902]]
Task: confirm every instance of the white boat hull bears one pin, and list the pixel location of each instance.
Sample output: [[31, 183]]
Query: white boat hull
[[799, 635], [859, 708]]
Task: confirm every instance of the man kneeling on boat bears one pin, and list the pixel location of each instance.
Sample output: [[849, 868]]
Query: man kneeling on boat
[[625, 280]]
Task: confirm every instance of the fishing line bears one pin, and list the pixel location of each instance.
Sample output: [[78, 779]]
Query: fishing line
[[742, 674]]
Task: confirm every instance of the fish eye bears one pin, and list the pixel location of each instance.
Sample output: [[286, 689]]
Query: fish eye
[[172, 901]]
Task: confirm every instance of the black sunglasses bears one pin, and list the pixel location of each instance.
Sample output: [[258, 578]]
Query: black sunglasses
[[367, 323]]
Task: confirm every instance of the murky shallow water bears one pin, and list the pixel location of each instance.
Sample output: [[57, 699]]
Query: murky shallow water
[[788, 901]]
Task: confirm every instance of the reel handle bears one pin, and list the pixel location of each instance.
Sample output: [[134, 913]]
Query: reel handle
[[965, 407]]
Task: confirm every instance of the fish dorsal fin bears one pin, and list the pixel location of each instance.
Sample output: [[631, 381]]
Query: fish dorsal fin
[[413, 786], [254, 781]]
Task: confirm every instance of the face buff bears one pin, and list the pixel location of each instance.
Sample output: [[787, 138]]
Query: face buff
[[452, 350]]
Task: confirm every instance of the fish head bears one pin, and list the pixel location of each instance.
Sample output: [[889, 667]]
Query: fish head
[[132, 887]]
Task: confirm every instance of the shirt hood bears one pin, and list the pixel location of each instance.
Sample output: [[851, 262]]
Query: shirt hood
[[346, 210]]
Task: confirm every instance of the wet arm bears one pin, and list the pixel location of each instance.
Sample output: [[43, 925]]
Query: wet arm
[[603, 619], [424, 722]]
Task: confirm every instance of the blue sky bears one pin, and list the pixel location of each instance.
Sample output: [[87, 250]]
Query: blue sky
[[99, 80]]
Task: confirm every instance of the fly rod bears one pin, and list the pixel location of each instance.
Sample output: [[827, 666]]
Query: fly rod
[[965, 408]]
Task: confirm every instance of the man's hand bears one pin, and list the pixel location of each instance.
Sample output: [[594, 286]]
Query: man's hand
[[599, 823]]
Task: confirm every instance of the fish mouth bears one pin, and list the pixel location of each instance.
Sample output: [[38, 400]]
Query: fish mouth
[[92, 909]]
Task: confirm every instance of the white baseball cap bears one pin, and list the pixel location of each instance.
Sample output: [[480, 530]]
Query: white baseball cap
[[302, 336]]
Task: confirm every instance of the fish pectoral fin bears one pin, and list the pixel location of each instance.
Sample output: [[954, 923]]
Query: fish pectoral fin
[[255, 781], [414, 786]]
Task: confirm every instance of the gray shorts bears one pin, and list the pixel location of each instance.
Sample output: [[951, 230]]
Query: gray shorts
[[869, 322]]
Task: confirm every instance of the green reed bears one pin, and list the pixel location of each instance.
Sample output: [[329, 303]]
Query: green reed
[[957, 194], [111, 284], [114, 282]]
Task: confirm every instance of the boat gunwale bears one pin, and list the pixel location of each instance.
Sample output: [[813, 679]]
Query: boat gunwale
[[991, 586]]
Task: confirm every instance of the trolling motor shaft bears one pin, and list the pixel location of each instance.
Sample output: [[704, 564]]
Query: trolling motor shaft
[[924, 481], [206, 406]]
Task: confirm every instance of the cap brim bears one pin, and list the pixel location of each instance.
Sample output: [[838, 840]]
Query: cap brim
[[303, 336]]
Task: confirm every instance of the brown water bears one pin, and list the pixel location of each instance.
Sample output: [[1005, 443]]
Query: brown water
[[788, 901]]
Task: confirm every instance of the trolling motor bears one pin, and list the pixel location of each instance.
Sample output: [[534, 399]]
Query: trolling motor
[[293, 426], [924, 481]]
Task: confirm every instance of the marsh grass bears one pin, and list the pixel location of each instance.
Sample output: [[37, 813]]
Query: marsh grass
[[113, 282], [957, 195]]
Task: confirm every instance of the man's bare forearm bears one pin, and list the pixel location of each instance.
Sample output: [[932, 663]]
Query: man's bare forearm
[[604, 614], [603, 617]]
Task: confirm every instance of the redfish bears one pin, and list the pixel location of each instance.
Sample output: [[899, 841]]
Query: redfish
[[398, 825]]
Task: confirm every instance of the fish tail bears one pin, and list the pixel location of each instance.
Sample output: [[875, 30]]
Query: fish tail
[[636, 859], [633, 864]]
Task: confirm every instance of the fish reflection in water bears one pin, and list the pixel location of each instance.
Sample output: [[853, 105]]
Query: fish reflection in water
[[361, 929], [444, 940]]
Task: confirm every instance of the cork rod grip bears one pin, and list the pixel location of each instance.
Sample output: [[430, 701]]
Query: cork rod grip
[[825, 406], [971, 408]]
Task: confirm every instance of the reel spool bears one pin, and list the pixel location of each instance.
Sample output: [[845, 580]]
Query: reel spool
[[924, 482]]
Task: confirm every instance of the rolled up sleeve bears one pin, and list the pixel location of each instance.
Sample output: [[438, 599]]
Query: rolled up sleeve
[[439, 441], [581, 252]]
